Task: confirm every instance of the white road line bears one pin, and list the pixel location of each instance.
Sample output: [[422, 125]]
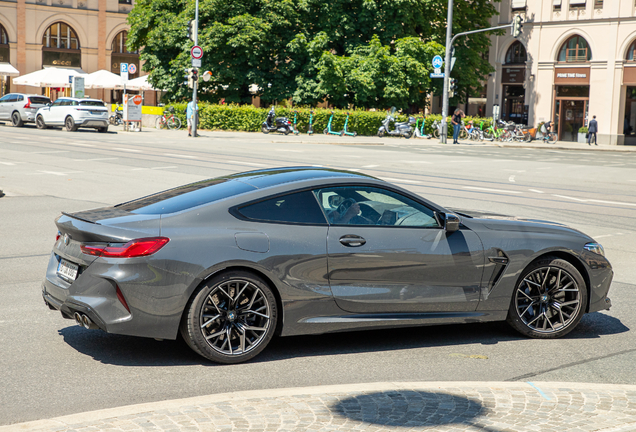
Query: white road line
[[596, 201], [400, 180], [607, 235], [52, 151], [96, 159], [82, 145], [180, 155], [56, 173], [511, 179], [535, 191], [7, 163], [126, 149], [517, 171], [167, 167], [415, 161], [491, 190], [373, 166], [247, 163], [289, 150]]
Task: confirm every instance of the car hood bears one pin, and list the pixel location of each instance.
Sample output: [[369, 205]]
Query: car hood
[[499, 222]]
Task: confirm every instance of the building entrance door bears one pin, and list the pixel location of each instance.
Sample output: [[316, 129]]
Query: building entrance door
[[570, 111]]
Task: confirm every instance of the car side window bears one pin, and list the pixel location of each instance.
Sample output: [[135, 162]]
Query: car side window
[[19, 98], [372, 206], [57, 103], [296, 208], [5, 98]]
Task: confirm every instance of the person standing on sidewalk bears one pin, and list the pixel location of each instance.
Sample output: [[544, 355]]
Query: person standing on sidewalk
[[592, 128], [190, 113], [457, 124]]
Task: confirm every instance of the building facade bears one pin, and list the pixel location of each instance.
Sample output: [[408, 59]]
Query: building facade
[[88, 35], [574, 59]]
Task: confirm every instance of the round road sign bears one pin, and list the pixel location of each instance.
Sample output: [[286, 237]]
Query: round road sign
[[437, 62], [196, 52], [132, 68]]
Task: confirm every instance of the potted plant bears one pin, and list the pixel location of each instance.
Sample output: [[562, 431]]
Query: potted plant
[[582, 137]]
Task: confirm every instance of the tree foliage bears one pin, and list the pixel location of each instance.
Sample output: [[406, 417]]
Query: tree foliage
[[369, 53]]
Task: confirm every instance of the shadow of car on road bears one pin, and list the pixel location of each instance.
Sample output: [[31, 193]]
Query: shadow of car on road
[[137, 351]]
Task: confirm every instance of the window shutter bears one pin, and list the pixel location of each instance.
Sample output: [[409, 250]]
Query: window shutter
[[577, 2], [519, 4], [556, 3]]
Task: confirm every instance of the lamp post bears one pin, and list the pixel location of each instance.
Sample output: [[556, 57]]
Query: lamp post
[[195, 111]]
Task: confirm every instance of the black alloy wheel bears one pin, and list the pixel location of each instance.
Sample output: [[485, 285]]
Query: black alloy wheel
[[231, 318], [16, 119], [549, 300], [39, 122], [70, 124]]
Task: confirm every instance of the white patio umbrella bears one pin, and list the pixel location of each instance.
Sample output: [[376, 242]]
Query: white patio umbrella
[[140, 83], [7, 70], [48, 77], [103, 79]]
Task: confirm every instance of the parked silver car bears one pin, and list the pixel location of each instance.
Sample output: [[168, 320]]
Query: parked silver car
[[73, 113], [21, 108]]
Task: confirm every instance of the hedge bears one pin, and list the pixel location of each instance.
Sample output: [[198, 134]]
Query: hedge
[[249, 118]]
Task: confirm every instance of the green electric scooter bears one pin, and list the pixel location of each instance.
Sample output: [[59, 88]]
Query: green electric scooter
[[294, 128], [310, 131], [345, 131], [328, 129]]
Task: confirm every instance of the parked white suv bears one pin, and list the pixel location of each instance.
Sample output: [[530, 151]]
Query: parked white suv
[[73, 113], [20, 108]]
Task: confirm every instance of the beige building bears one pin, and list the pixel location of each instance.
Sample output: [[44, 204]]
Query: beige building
[[83, 34], [574, 59]]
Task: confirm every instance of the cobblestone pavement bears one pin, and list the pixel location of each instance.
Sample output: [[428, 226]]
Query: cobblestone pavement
[[451, 406]]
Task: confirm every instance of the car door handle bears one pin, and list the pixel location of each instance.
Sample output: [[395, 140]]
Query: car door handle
[[351, 240]]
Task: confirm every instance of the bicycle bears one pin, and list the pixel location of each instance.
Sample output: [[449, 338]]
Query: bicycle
[[548, 136], [168, 119], [437, 128], [496, 133]]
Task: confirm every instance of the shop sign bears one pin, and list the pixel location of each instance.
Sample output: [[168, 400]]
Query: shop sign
[[572, 76], [513, 75]]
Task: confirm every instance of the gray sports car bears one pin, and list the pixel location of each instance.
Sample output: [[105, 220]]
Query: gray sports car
[[232, 261]]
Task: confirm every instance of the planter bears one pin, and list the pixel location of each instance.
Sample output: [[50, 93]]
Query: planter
[[581, 138]]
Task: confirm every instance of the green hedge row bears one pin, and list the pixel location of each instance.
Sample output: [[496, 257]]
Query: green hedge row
[[249, 118]]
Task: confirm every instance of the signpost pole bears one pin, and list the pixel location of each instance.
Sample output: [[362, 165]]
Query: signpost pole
[[447, 70], [195, 111]]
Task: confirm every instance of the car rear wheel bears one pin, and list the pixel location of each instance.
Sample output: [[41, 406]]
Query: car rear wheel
[[16, 119], [70, 124], [549, 299], [231, 318], [39, 122], [102, 129]]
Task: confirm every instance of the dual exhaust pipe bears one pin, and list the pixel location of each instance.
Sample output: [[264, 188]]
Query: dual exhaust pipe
[[83, 320]]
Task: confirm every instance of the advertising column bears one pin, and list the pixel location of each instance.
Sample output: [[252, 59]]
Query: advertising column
[[132, 112]]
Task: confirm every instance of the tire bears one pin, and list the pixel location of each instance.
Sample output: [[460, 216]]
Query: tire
[[355, 134], [264, 129], [435, 133], [326, 131], [552, 137], [16, 119], [70, 124], [381, 133], [102, 129], [341, 133], [39, 122], [112, 120], [174, 123], [549, 299], [234, 306], [488, 135], [286, 132], [463, 134], [159, 123], [528, 138], [407, 135]]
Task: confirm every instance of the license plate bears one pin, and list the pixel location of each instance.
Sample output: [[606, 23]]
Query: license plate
[[97, 112], [67, 269]]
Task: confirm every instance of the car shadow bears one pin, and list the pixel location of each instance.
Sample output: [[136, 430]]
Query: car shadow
[[136, 351]]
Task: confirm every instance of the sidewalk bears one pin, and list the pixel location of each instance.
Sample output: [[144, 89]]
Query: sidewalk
[[420, 406]]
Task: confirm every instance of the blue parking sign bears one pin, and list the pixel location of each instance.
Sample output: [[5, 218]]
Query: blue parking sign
[[437, 62], [123, 68]]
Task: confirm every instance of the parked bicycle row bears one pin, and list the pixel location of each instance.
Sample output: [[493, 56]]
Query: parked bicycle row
[[500, 131]]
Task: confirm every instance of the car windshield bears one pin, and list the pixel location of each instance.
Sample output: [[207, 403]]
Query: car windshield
[[92, 103]]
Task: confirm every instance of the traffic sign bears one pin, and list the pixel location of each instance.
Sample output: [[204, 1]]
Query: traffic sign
[[437, 75], [123, 71], [437, 62], [132, 69], [196, 63], [196, 52]]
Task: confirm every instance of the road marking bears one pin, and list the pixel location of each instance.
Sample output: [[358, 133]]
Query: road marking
[[517, 171], [289, 150], [96, 159], [154, 168], [400, 180], [535, 191], [607, 235], [247, 163], [126, 149], [7, 163], [180, 155], [491, 190], [511, 179], [373, 166], [414, 161], [539, 390], [56, 173], [83, 145], [52, 151], [596, 201]]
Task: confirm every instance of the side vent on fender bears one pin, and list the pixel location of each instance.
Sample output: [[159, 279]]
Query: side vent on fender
[[500, 262]]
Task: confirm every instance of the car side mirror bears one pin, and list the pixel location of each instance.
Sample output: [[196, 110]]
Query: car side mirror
[[451, 222]]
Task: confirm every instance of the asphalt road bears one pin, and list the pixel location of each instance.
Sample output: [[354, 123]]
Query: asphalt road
[[50, 367]]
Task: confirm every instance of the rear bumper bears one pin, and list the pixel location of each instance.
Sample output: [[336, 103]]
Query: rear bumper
[[91, 122]]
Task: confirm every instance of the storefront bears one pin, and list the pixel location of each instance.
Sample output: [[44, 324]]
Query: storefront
[[571, 101], [514, 94]]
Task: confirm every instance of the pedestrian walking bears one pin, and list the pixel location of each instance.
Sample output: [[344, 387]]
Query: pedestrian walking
[[190, 114], [592, 128], [457, 124]]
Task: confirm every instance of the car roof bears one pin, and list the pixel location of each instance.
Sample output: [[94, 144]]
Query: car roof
[[266, 178], [27, 94]]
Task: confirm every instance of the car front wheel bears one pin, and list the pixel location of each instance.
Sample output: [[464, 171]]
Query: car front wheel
[[549, 299], [16, 119], [70, 124], [39, 122], [231, 318]]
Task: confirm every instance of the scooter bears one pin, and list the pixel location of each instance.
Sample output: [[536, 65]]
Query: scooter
[[278, 124], [419, 130], [401, 129], [328, 130], [345, 131], [310, 131], [295, 129], [117, 117]]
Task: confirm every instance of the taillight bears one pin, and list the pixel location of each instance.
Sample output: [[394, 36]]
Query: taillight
[[28, 105], [57, 237], [134, 248]]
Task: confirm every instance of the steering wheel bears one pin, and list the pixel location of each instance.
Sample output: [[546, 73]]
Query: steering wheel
[[345, 205]]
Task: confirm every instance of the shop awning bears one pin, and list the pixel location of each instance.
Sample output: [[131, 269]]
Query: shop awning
[[519, 4], [7, 70]]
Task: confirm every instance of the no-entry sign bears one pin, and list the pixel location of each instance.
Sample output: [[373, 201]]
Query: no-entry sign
[[196, 52]]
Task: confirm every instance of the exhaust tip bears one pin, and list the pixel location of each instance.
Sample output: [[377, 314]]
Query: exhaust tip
[[78, 319], [86, 321]]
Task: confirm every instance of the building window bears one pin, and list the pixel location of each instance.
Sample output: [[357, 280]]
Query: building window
[[4, 39], [61, 47], [518, 5], [598, 4], [577, 4], [119, 44], [631, 52], [128, 2], [120, 54], [556, 5], [4, 45], [516, 54], [575, 50]]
